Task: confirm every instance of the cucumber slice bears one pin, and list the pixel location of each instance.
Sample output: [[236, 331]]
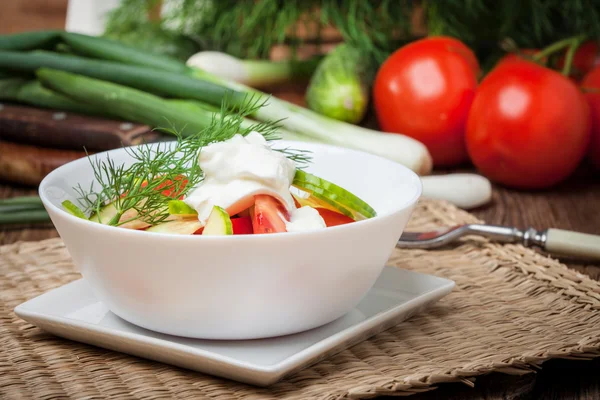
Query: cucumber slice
[[315, 200], [105, 215], [340, 197], [109, 212], [355, 211], [178, 227], [180, 208], [218, 223], [73, 209]]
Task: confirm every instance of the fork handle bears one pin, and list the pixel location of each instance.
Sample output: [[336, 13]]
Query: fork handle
[[573, 243]]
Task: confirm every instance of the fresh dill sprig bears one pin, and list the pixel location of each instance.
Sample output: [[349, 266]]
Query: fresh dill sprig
[[137, 190]]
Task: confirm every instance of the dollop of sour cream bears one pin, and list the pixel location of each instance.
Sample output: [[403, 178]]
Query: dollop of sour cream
[[303, 219], [242, 167]]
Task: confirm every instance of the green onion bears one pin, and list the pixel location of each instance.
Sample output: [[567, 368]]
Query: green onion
[[151, 80], [10, 87], [32, 201], [35, 94], [213, 90], [255, 73], [24, 217], [127, 103], [22, 210], [183, 116], [194, 105], [29, 40], [105, 49]]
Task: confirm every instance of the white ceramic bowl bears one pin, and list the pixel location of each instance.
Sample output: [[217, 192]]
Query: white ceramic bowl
[[244, 286]]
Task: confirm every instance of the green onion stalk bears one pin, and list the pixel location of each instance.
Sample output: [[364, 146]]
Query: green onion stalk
[[186, 117], [22, 210], [254, 73], [32, 92]]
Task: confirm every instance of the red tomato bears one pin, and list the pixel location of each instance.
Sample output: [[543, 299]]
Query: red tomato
[[586, 58], [269, 215], [169, 186], [333, 218], [528, 127], [591, 86], [425, 90], [242, 226]]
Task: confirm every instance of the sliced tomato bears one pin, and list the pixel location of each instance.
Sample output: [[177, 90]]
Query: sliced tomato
[[333, 218], [169, 187], [242, 226], [269, 215], [172, 189], [199, 231], [240, 206]]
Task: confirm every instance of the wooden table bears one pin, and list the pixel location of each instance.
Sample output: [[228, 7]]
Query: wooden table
[[574, 205]]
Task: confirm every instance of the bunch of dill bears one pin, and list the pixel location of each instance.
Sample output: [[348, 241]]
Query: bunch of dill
[[172, 166]]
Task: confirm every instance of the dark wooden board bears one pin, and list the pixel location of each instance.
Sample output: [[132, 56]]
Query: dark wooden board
[[67, 130]]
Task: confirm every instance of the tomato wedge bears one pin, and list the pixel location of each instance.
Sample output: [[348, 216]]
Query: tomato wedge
[[333, 218], [171, 189], [269, 215], [242, 226]]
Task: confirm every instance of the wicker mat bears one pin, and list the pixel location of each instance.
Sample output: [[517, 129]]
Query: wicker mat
[[512, 310]]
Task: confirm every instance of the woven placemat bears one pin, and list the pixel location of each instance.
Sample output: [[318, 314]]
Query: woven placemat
[[512, 309]]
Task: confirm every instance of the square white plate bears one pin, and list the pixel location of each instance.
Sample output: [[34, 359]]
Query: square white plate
[[73, 312]]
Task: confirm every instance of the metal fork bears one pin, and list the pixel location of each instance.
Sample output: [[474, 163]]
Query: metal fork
[[557, 241]]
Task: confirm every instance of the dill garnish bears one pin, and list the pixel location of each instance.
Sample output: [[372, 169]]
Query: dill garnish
[[137, 190]]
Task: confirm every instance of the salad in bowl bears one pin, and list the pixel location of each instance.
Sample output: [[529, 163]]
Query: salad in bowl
[[228, 234], [244, 187]]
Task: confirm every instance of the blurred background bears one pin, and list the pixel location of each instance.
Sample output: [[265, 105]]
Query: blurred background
[[18, 15]]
